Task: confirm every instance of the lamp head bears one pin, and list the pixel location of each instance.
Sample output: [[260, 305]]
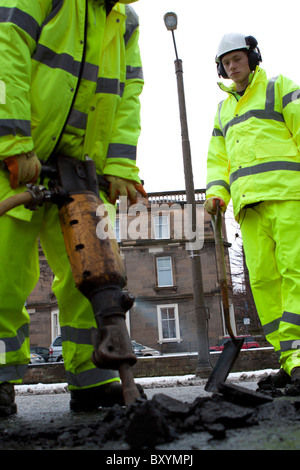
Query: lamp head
[[170, 20]]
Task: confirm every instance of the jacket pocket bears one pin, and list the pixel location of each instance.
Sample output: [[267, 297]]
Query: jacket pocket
[[275, 147]]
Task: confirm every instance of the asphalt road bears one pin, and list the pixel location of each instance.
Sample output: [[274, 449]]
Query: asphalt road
[[44, 422]]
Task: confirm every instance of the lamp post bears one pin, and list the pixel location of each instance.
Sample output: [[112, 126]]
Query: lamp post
[[204, 367]]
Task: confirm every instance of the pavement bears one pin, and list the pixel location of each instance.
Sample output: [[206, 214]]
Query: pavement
[[189, 420]]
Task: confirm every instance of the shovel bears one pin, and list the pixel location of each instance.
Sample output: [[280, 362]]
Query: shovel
[[231, 348]]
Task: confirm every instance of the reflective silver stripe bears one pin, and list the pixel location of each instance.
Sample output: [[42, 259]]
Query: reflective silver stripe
[[217, 133], [76, 335], [21, 19], [271, 327], [15, 343], [57, 61], [77, 119], [256, 113], [121, 151], [292, 96], [66, 62], [134, 72], [110, 85], [14, 127], [56, 6], [90, 377], [90, 72], [263, 168], [219, 114], [267, 113], [270, 95], [132, 23], [289, 317], [15, 372], [218, 183], [290, 345]]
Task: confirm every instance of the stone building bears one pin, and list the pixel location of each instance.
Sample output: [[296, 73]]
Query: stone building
[[158, 266], [42, 308], [153, 237]]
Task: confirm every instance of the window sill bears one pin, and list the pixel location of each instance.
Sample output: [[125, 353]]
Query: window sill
[[165, 289], [169, 340]]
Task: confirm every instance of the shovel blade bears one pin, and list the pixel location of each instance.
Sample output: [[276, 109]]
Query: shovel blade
[[224, 365]]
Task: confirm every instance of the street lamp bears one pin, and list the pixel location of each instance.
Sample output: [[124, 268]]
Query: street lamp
[[170, 20], [204, 367]]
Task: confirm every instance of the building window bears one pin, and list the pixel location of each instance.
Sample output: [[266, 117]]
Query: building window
[[168, 323], [55, 327], [161, 227], [117, 230], [164, 271]]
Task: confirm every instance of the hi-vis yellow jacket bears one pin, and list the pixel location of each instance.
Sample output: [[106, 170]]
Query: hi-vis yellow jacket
[[254, 152], [42, 62]]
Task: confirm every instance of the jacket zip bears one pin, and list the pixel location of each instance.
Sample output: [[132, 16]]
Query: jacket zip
[[52, 156]]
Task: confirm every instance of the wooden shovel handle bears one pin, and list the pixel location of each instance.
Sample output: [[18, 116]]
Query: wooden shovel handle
[[221, 267]]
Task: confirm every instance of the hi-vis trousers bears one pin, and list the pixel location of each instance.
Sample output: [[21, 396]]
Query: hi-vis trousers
[[271, 238], [19, 273]]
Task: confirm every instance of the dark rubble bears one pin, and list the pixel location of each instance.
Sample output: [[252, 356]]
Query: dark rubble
[[151, 423]]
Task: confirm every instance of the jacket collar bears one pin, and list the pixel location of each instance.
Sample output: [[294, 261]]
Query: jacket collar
[[258, 75]]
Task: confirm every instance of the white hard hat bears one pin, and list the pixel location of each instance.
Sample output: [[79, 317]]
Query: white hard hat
[[231, 42]]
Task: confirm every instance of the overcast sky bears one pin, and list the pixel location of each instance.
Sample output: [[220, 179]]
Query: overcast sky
[[200, 28]]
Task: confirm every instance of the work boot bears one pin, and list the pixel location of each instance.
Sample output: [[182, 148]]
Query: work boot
[[278, 380], [293, 389], [107, 395], [7, 399]]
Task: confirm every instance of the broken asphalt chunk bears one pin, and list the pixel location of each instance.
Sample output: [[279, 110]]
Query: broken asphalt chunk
[[280, 410], [242, 396], [218, 410], [170, 406], [147, 426]]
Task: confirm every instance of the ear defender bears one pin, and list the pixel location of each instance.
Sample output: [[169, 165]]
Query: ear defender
[[221, 70], [254, 55]]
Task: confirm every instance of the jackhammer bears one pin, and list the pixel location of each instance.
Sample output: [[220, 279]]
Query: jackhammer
[[96, 263]]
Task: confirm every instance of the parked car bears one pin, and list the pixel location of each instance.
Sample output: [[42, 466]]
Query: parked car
[[55, 350], [141, 350], [44, 352], [36, 359], [249, 343]]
